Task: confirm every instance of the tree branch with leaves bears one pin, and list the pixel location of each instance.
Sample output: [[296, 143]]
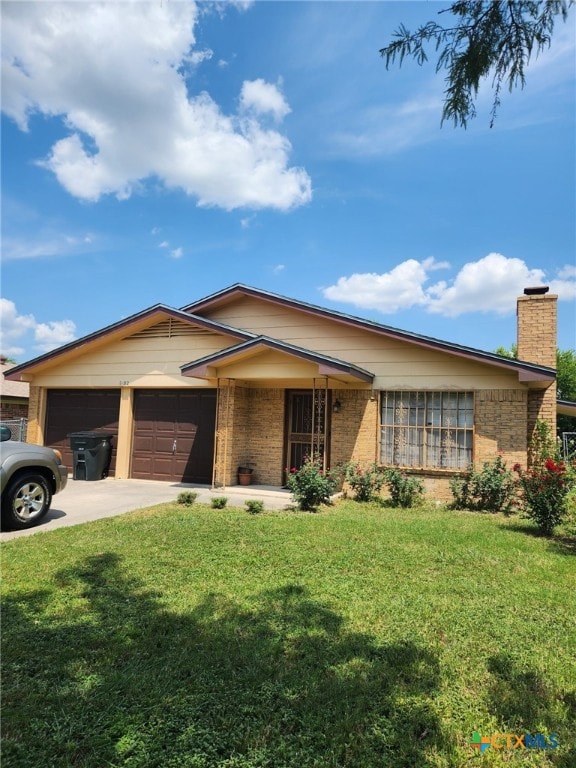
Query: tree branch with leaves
[[488, 38]]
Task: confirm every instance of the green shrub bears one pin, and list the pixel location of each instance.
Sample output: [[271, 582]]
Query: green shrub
[[187, 497], [547, 484], [310, 485], [366, 482], [493, 488], [405, 491], [219, 502], [545, 490], [254, 506]]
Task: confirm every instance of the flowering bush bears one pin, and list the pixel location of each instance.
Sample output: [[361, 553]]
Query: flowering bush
[[545, 488], [405, 491], [367, 482], [493, 488], [310, 485], [547, 485]]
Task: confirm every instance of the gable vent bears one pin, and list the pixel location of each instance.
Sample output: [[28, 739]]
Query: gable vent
[[170, 328]]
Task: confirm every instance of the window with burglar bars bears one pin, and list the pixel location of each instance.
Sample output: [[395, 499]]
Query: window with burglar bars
[[427, 429]]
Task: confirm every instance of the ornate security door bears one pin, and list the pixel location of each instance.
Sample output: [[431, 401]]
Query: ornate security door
[[307, 426]]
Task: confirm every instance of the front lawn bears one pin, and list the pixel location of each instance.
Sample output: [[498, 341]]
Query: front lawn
[[358, 637]]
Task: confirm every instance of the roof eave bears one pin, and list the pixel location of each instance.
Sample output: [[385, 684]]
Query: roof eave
[[490, 358]]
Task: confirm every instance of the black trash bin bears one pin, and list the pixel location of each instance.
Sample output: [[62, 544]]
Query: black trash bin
[[91, 454]]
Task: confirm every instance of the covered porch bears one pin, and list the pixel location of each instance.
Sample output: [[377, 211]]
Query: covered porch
[[276, 404]]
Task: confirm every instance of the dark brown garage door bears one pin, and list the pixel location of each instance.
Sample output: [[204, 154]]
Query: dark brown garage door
[[174, 435], [80, 410]]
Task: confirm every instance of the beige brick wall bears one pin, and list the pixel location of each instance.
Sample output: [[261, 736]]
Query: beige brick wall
[[537, 327], [224, 438], [250, 432], [542, 407], [355, 428], [536, 316], [500, 425], [260, 433], [34, 431]]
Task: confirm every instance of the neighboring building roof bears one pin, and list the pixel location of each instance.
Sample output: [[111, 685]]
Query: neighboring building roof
[[326, 365], [16, 389], [566, 407]]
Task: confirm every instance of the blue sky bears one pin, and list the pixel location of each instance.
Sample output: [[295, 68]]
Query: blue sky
[[159, 152]]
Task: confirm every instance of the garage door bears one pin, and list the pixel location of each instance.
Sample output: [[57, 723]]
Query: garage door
[[174, 435], [80, 410]]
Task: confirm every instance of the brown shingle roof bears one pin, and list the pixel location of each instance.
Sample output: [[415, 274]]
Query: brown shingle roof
[[12, 388]]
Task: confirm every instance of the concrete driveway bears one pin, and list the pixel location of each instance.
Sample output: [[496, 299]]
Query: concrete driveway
[[82, 501]]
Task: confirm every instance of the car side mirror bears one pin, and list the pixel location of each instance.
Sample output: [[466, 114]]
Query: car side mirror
[[5, 434]]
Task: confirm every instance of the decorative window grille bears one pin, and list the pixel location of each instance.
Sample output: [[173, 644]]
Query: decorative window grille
[[427, 429]]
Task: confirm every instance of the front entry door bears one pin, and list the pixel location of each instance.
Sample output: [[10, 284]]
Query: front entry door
[[307, 427]]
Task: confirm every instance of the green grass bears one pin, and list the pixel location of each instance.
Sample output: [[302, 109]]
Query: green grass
[[358, 637]]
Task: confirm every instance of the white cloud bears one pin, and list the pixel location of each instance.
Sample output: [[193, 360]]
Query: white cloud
[[16, 328], [177, 253], [279, 268], [567, 272], [164, 244], [389, 292], [261, 97], [44, 245], [53, 334], [112, 72], [12, 328], [391, 128], [489, 285]]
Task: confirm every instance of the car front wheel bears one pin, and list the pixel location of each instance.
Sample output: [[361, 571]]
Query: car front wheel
[[25, 502]]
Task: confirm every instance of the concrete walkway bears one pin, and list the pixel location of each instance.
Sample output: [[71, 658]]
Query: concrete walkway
[[82, 501]]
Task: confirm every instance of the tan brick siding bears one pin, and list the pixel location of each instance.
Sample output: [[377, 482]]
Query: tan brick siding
[[355, 428], [34, 431], [250, 432], [542, 407], [537, 326], [536, 317], [260, 435], [500, 425]]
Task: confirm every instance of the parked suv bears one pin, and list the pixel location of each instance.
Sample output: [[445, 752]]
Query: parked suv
[[29, 476]]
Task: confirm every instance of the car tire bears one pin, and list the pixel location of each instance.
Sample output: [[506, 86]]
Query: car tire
[[25, 502]]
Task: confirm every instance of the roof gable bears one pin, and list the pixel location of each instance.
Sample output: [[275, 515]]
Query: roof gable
[[327, 366], [158, 319], [527, 372]]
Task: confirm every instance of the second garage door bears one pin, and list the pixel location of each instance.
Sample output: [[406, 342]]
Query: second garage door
[[80, 410], [174, 435]]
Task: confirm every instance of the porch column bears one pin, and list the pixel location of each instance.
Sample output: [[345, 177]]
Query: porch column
[[125, 430]]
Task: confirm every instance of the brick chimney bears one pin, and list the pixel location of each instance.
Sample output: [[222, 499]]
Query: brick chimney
[[536, 315]]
